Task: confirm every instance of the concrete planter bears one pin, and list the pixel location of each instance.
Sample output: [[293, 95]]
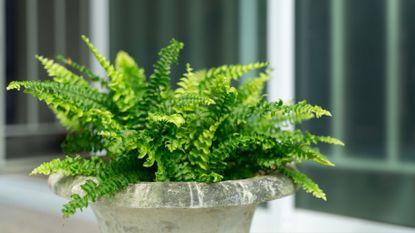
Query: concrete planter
[[182, 207]]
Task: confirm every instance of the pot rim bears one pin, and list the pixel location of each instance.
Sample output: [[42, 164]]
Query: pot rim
[[250, 191]]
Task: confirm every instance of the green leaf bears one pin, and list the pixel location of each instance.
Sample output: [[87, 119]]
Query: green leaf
[[307, 184], [159, 82], [175, 119], [60, 73], [82, 69], [127, 82]]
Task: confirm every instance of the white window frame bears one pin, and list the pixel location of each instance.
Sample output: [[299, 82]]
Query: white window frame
[[99, 32], [278, 216]]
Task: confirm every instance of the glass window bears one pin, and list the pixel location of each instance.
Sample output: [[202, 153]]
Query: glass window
[[209, 30], [46, 28], [355, 57]]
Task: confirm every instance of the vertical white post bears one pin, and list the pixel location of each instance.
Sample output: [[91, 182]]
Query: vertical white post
[[281, 45], [99, 32], [248, 32], [32, 65], [392, 79], [281, 41], [2, 83]]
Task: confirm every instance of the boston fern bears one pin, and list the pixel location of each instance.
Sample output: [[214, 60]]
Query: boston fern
[[205, 130]]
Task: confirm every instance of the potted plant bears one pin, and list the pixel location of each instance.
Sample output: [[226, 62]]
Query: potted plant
[[197, 158]]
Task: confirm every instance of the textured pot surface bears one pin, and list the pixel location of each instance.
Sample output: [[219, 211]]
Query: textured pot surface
[[193, 207], [236, 219]]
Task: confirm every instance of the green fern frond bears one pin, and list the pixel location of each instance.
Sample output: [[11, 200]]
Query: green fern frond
[[250, 92], [306, 183], [304, 111], [60, 73], [159, 82], [187, 103], [158, 85], [71, 102], [64, 94], [298, 136], [93, 190], [71, 166], [120, 83], [329, 140], [189, 83], [121, 142], [134, 76], [235, 71], [82, 69], [303, 152], [69, 120], [238, 142], [280, 114], [127, 82], [76, 203], [105, 64], [200, 155], [217, 82], [175, 119]]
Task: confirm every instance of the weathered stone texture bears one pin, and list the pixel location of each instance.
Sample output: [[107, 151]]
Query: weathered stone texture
[[183, 207]]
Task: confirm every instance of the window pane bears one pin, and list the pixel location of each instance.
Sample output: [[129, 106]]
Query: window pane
[[312, 57], [370, 180], [16, 103], [379, 196], [46, 48], [407, 107], [365, 78], [209, 30], [31, 29]]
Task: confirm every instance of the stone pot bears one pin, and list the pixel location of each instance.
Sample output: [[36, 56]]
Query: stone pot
[[180, 207]]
